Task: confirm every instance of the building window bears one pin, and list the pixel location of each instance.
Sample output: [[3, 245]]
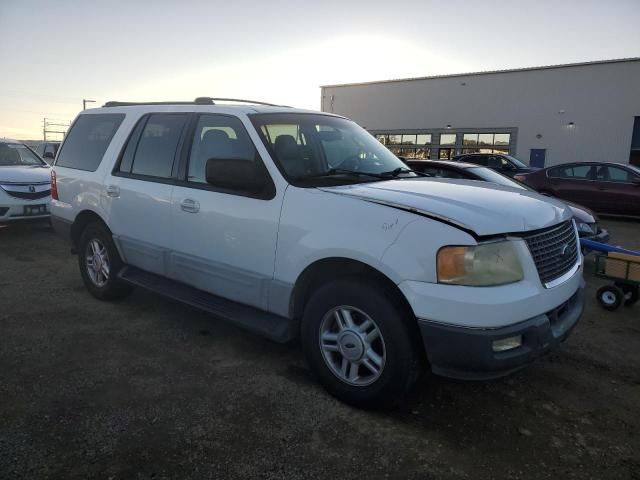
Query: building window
[[486, 143], [447, 139], [408, 139], [423, 139], [444, 145]]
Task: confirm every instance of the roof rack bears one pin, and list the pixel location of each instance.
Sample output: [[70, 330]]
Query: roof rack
[[197, 101]]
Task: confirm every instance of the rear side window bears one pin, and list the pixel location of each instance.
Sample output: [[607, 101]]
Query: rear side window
[[87, 141], [578, 172], [152, 147], [477, 159]]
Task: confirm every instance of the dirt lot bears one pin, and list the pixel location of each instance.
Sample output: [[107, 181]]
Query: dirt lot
[[147, 388]]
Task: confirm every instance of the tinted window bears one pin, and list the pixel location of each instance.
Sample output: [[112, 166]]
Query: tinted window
[[158, 144], [619, 175], [445, 173], [126, 160], [221, 137], [87, 140], [578, 172], [477, 159]]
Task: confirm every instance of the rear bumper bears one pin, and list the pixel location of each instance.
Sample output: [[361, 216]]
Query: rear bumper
[[15, 213], [467, 353]]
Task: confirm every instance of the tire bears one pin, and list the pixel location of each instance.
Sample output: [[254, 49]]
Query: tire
[[610, 297], [386, 352], [96, 247], [630, 292]]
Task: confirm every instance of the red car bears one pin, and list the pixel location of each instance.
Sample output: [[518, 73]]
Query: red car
[[608, 188]]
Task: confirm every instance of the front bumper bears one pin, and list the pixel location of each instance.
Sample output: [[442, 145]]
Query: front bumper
[[467, 353]]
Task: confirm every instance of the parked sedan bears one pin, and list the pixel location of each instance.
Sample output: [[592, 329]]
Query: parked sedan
[[586, 220], [505, 164], [25, 188], [608, 188]]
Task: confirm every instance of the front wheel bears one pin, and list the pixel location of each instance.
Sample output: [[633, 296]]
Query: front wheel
[[358, 342], [100, 263]]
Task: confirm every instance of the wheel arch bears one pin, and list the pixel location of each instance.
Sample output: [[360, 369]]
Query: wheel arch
[[332, 268], [83, 219]]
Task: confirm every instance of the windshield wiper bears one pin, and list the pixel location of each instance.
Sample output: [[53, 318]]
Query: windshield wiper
[[341, 171], [394, 173]]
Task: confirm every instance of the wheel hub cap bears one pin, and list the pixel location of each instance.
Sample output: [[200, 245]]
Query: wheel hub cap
[[351, 345]]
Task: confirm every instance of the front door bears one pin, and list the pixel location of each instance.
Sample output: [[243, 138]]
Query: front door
[[224, 240], [537, 157]]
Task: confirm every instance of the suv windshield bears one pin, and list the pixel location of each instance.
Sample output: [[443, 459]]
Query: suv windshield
[[12, 154], [515, 161], [310, 149]]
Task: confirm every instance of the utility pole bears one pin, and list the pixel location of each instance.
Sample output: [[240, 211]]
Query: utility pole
[[85, 101], [46, 123]]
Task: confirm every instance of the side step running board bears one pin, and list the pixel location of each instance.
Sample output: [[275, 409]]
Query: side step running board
[[275, 327]]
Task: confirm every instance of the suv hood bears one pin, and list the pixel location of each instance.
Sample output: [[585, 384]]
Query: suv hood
[[25, 174], [482, 207]]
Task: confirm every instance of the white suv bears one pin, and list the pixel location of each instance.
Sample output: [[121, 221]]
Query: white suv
[[298, 223]]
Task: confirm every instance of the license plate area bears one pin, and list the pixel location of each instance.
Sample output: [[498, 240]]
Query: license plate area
[[30, 210]]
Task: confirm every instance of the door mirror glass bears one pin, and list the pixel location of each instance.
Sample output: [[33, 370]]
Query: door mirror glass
[[235, 174]]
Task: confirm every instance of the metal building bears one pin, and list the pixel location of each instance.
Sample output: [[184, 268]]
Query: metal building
[[542, 115]]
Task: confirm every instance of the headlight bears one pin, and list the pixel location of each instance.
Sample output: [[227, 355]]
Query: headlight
[[482, 265], [585, 228]]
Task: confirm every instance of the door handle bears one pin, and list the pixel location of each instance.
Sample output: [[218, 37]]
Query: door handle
[[190, 206], [112, 191]]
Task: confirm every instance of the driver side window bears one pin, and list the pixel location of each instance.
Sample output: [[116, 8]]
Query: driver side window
[[220, 137]]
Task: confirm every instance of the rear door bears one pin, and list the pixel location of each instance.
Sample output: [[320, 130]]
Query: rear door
[[139, 190], [617, 190], [574, 182]]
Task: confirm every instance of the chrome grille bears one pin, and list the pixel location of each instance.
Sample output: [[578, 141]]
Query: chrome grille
[[27, 191], [554, 250], [30, 195]]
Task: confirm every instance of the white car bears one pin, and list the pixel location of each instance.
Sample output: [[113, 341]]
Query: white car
[[298, 223], [25, 189]]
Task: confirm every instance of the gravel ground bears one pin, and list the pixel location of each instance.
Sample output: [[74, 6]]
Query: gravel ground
[[148, 388]]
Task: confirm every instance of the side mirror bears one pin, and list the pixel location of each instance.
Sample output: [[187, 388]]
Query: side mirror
[[235, 174], [48, 155]]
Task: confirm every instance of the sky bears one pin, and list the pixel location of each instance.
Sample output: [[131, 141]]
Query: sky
[[54, 54]]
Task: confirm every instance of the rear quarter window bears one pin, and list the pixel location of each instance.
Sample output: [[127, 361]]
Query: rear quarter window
[[87, 141]]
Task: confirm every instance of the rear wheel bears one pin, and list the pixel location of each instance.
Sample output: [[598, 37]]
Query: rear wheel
[[100, 262], [358, 343], [610, 297]]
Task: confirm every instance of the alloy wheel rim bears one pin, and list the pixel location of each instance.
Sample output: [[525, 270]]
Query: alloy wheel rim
[[352, 345], [97, 262]]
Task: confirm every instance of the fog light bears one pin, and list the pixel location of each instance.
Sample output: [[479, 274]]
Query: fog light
[[508, 343]]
